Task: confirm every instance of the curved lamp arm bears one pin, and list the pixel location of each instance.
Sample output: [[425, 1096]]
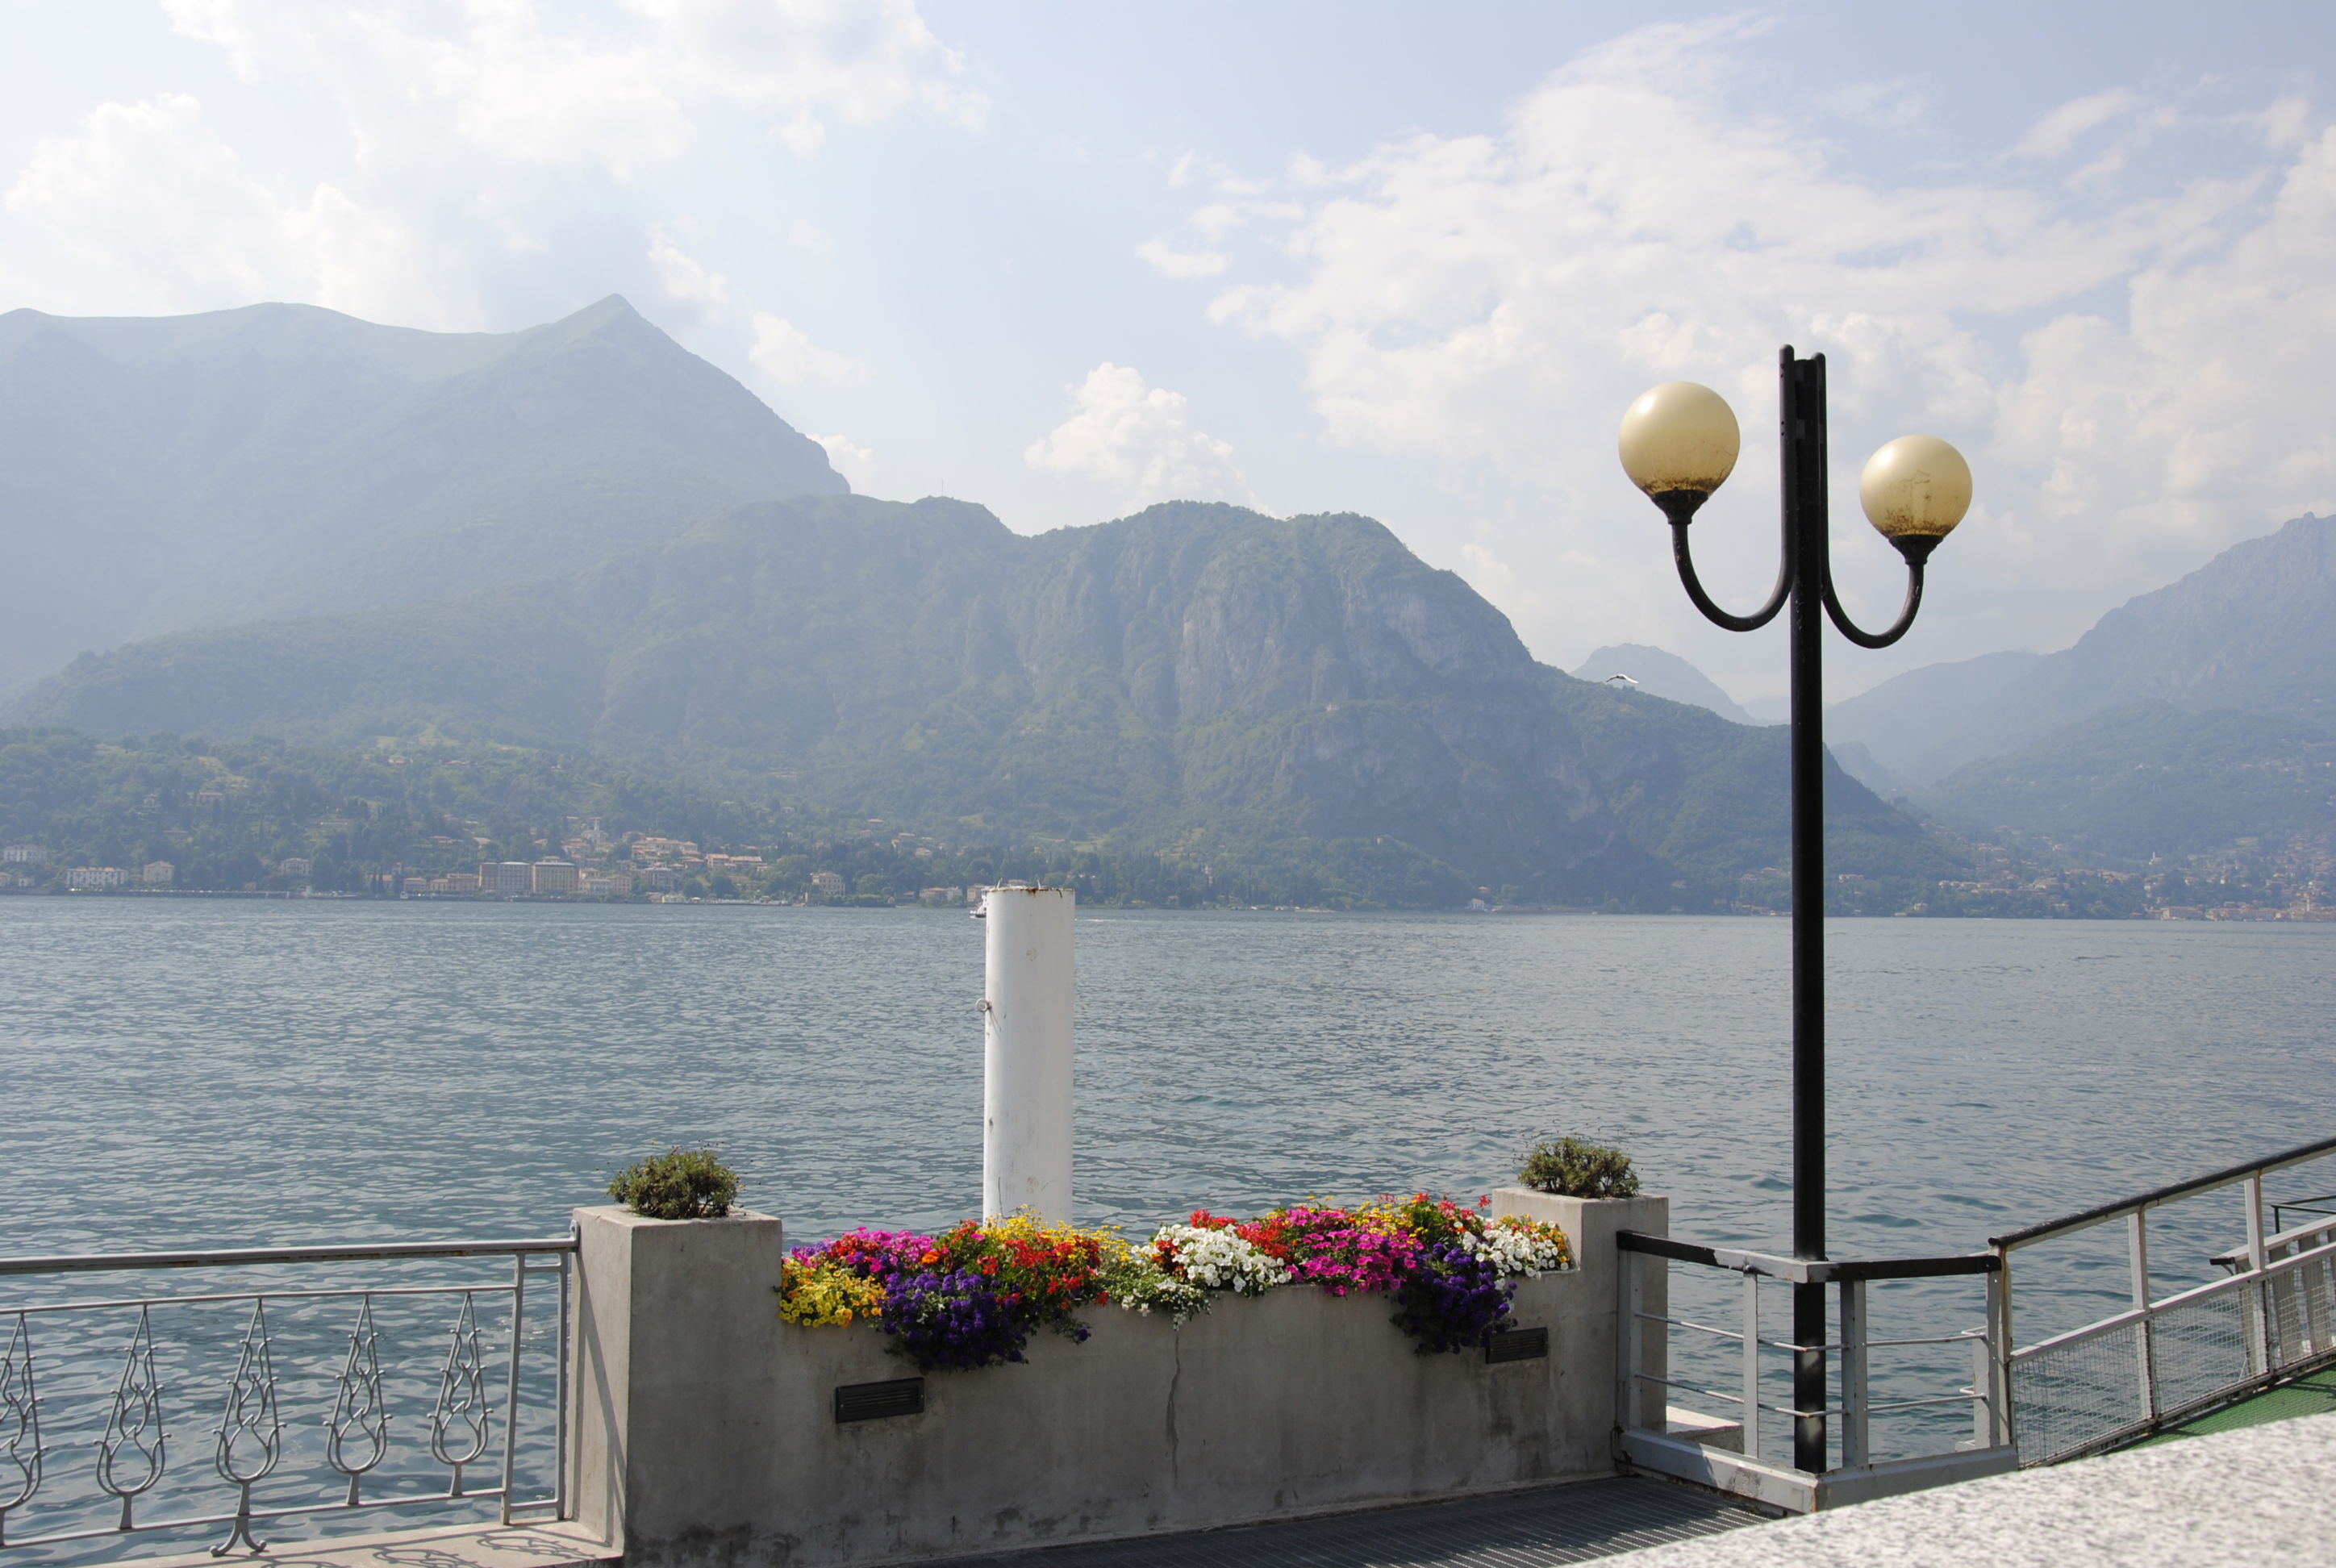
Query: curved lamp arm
[[1898, 628], [1694, 585]]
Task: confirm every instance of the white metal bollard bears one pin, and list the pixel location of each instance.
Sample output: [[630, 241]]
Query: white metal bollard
[[1026, 1081]]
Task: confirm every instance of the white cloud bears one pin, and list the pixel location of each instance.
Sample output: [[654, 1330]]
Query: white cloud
[[539, 85], [2055, 134], [782, 352], [1490, 303], [1174, 263], [687, 279], [1139, 441], [1893, 106], [147, 199], [498, 153], [849, 458]]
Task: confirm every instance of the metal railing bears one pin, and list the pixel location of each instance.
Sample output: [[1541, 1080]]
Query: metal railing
[[1703, 1453], [2318, 1204], [285, 1346], [2162, 1359]]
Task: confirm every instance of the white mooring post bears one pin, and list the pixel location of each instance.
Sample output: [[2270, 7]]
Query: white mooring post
[[1026, 1081]]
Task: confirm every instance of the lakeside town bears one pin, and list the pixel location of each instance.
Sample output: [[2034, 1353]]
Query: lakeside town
[[590, 864], [2285, 881]]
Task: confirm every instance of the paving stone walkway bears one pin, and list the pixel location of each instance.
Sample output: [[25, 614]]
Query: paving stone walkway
[[1535, 1529]]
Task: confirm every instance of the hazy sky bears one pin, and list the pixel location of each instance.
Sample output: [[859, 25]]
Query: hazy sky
[[1413, 262]]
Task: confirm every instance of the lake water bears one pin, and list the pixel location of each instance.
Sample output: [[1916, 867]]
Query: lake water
[[182, 1072]]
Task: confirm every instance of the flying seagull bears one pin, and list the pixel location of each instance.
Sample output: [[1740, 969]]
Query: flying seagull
[[1625, 679]]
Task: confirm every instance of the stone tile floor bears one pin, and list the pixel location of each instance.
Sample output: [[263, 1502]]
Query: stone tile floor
[[1552, 1525], [548, 1545], [1530, 1529]]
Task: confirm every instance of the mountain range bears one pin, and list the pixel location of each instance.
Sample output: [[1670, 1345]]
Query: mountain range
[[1659, 673], [2196, 718], [582, 540], [1197, 680], [280, 460], [2253, 631]]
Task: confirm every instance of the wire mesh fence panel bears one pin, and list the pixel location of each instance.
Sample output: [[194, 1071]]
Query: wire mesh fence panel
[[2071, 1394], [2201, 1349], [2301, 1314]]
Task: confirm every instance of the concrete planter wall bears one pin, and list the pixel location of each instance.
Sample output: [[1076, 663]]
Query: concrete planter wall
[[706, 1430], [1589, 1223]]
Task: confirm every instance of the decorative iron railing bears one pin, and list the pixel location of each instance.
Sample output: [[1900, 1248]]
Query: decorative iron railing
[[292, 1368], [1706, 1446], [2163, 1359]]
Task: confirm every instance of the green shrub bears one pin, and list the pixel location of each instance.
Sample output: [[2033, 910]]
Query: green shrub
[[678, 1184], [1573, 1169]]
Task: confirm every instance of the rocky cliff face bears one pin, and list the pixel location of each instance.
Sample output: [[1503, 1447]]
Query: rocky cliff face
[[1194, 668], [1195, 681]]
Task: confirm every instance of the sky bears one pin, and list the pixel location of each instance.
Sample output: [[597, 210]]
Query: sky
[[1411, 261]]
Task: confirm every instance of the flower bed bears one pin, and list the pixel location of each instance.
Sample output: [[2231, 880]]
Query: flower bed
[[973, 1296]]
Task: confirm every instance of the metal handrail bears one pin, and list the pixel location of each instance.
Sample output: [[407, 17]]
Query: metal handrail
[[2105, 1212], [2235, 1284], [1808, 1270], [237, 1257], [2271, 1348], [251, 1434], [1988, 1448], [2236, 1257]]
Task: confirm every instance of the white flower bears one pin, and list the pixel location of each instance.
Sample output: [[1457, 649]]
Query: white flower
[[1221, 1261], [1517, 1246]]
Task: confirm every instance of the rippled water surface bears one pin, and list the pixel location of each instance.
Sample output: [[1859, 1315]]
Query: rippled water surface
[[194, 1072], [218, 1072]]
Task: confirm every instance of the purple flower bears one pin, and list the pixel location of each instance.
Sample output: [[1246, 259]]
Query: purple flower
[[1454, 1299], [956, 1319]]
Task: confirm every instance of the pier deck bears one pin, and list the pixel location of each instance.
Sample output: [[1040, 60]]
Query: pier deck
[[1531, 1529], [2313, 1394]]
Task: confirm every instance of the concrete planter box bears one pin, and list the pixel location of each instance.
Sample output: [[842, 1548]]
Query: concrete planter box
[[707, 1429]]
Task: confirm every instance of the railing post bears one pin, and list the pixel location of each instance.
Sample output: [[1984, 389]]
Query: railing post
[[567, 1349], [2312, 1282], [1999, 1290], [1854, 1405], [1751, 1365], [2146, 1339], [511, 1388], [1999, 1354], [1629, 1303], [2257, 1300]]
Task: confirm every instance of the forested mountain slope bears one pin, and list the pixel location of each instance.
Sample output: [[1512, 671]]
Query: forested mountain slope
[[1197, 681]]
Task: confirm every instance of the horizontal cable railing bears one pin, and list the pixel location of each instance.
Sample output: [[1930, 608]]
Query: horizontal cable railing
[[1849, 1361], [304, 1372], [2161, 1360]]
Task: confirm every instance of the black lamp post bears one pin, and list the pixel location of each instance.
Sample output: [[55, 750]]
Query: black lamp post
[[1679, 443]]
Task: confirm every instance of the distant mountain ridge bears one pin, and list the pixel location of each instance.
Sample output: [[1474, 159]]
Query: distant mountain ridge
[[2199, 719], [282, 459], [1660, 673], [2254, 631], [1904, 722], [1195, 681]]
